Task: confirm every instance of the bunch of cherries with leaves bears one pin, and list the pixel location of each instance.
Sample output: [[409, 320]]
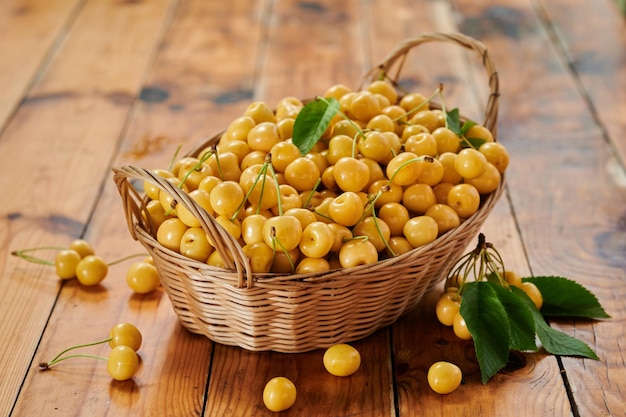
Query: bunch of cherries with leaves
[[350, 178], [502, 312], [484, 263]]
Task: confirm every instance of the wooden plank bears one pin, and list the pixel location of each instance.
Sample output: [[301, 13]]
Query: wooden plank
[[185, 98], [430, 64], [518, 390], [303, 58], [202, 79], [596, 51], [60, 142], [418, 339], [182, 102], [238, 378], [567, 203], [29, 32]]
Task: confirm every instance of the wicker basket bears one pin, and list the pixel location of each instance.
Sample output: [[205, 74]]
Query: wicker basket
[[297, 313]]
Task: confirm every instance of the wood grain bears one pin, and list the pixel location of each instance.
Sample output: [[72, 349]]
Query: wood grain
[[61, 123], [92, 84], [188, 102], [303, 59], [418, 341], [597, 65], [28, 39], [594, 51], [568, 229], [202, 78]]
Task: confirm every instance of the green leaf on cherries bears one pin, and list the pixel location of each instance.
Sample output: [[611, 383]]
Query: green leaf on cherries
[[502, 319], [521, 321], [453, 121], [488, 324], [493, 277], [555, 342], [563, 297], [467, 126], [472, 143], [312, 121]]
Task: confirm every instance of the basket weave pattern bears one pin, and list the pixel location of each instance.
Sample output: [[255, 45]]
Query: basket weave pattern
[[297, 313]]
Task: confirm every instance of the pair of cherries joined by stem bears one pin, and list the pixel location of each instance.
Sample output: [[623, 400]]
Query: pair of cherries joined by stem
[[122, 363], [79, 261]]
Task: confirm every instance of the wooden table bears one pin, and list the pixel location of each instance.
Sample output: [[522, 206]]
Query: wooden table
[[87, 85]]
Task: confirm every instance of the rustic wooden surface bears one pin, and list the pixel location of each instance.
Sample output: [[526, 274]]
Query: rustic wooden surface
[[91, 84]]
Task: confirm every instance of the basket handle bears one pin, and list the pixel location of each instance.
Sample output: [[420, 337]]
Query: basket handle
[[135, 206], [398, 56]]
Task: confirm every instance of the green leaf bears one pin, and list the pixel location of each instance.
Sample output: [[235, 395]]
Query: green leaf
[[467, 126], [554, 341], [521, 322], [493, 277], [487, 322], [564, 297], [472, 143], [311, 122], [453, 121]]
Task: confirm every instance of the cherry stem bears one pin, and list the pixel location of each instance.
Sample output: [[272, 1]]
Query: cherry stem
[[22, 253], [358, 237], [201, 161], [410, 161], [280, 199], [322, 215], [416, 108], [380, 233], [125, 258], [99, 342], [275, 241], [308, 199], [46, 365], [495, 263], [370, 205], [355, 146], [172, 209], [443, 105], [467, 142], [217, 162], [256, 181], [358, 129], [481, 263], [178, 148]]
